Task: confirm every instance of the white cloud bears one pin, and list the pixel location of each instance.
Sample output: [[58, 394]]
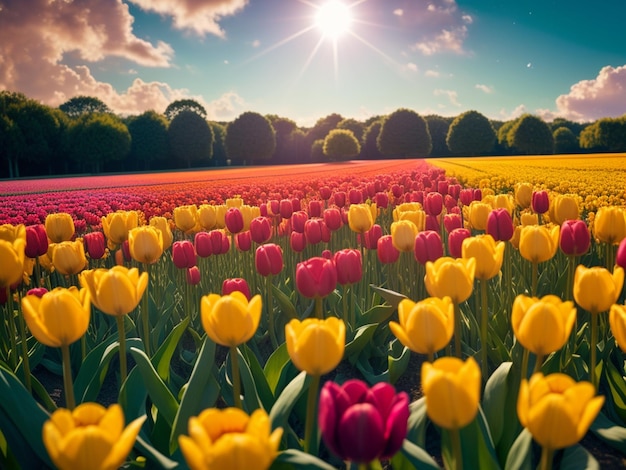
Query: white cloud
[[484, 88], [448, 40], [411, 66], [603, 96], [256, 43], [432, 73], [517, 112], [226, 108], [398, 12], [198, 16], [451, 94]]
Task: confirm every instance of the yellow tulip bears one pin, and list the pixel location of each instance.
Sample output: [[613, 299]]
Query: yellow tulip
[[523, 194], [207, 216], [564, 207], [609, 225], [220, 216], [450, 277], [91, 437], [478, 214], [116, 226], [504, 201], [596, 289], [145, 244], [617, 320], [12, 254], [68, 257], [59, 227], [116, 291], [361, 217], [406, 207], [58, 318], [403, 233], [488, 255], [538, 243], [230, 320], [166, 232], [234, 202], [452, 391], [248, 213], [557, 410], [424, 327], [542, 325], [316, 346], [185, 218], [230, 439], [529, 218]]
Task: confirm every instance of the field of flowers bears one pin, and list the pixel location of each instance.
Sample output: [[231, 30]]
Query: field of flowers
[[269, 317]]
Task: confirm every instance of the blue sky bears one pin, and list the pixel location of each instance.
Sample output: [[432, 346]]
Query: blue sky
[[501, 58]]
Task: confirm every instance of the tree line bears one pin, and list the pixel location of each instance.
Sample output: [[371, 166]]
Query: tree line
[[84, 136]]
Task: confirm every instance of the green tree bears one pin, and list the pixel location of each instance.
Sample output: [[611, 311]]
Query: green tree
[[605, 135], [191, 138], [80, 105], [149, 141], [178, 106], [250, 137], [565, 141], [219, 151], [297, 148], [438, 128], [503, 136], [357, 127], [323, 126], [530, 135], [341, 144], [283, 128], [404, 133], [369, 150], [471, 134], [317, 151], [98, 139]]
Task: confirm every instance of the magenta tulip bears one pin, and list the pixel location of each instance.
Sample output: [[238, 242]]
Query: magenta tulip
[[183, 254], [574, 238], [297, 242], [370, 238], [315, 208], [234, 220], [349, 266], [428, 246], [202, 244], [433, 203], [298, 220], [286, 208], [268, 259], [332, 218], [455, 241], [316, 277], [260, 229], [500, 225], [620, 259], [193, 276], [452, 221], [36, 241], [386, 251], [95, 244], [243, 240], [360, 424], [540, 202], [238, 284]]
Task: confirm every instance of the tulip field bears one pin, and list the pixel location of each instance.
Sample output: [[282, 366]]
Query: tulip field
[[459, 313]]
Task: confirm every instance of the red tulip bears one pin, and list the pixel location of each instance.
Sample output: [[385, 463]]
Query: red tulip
[[454, 190], [286, 208], [260, 229], [95, 244], [183, 254], [540, 202], [574, 238], [36, 241], [268, 259], [455, 241], [370, 238], [203, 245], [332, 218], [193, 276], [349, 266], [452, 221], [355, 196], [273, 208], [339, 198], [315, 208], [431, 222], [297, 221], [325, 193], [360, 424], [500, 225], [382, 200], [316, 231], [236, 284], [433, 203], [234, 220], [243, 241], [428, 246], [38, 291], [220, 242], [466, 196], [442, 187], [316, 277], [386, 251], [297, 242]]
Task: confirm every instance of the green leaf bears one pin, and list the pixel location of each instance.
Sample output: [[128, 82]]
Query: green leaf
[[296, 459], [609, 432], [156, 388], [520, 455], [417, 457], [417, 423], [263, 389], [163, 357], [362, 338], [376, 314], [202, 391], [288, 398], [617, 386], [391, 297], [274, 366], [577, 458], [21, 421], [398, 364], [285, 305]]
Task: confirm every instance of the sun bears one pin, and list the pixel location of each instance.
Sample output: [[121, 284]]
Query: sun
[[333, 19]]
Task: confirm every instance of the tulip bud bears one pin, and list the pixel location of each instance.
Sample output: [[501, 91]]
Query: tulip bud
[[193, 276], [316, 277], [207, 216], [349, 266], [540, 202], [286, 208], [403, 234], [316, 346], [68, 257], [488, 254], [243, 241], [163, 225], [145, 244], [325, 193], [298, 220], [202, 244], [297, 242], [617, 320], [478, 215], [268, 259], [609, 225], [433, 203], [428, 246], [452, 221], [596, 288], [339, 198], [538, 243], [500, 225], [455, 241], [59, 227], [454, 190], [574, 238], [234, 220], [450, 277], [361, 217], [355, 196], [386, 251], [236, 284], [36, 241], [370, 238], [382, 200], [315, 208], [564, 207], [183, 254], [316, 231], [523, 194], [620, 259], [332, 218]]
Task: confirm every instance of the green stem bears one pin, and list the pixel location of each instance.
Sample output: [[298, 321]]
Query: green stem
[[234, 362], [12, 330], [546, 458], [344, 303], [122, 340], [270, 311], [68, 385], [533, 289], [571, 266], [457, 330], [483, 328], [455, 438], [25, 359], [538, 363], [318, 308], [310, 439], [431, 357], [592, 347], [525, 356], [145, 315]]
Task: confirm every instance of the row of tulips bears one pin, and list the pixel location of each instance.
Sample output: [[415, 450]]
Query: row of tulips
[[320, 289]]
